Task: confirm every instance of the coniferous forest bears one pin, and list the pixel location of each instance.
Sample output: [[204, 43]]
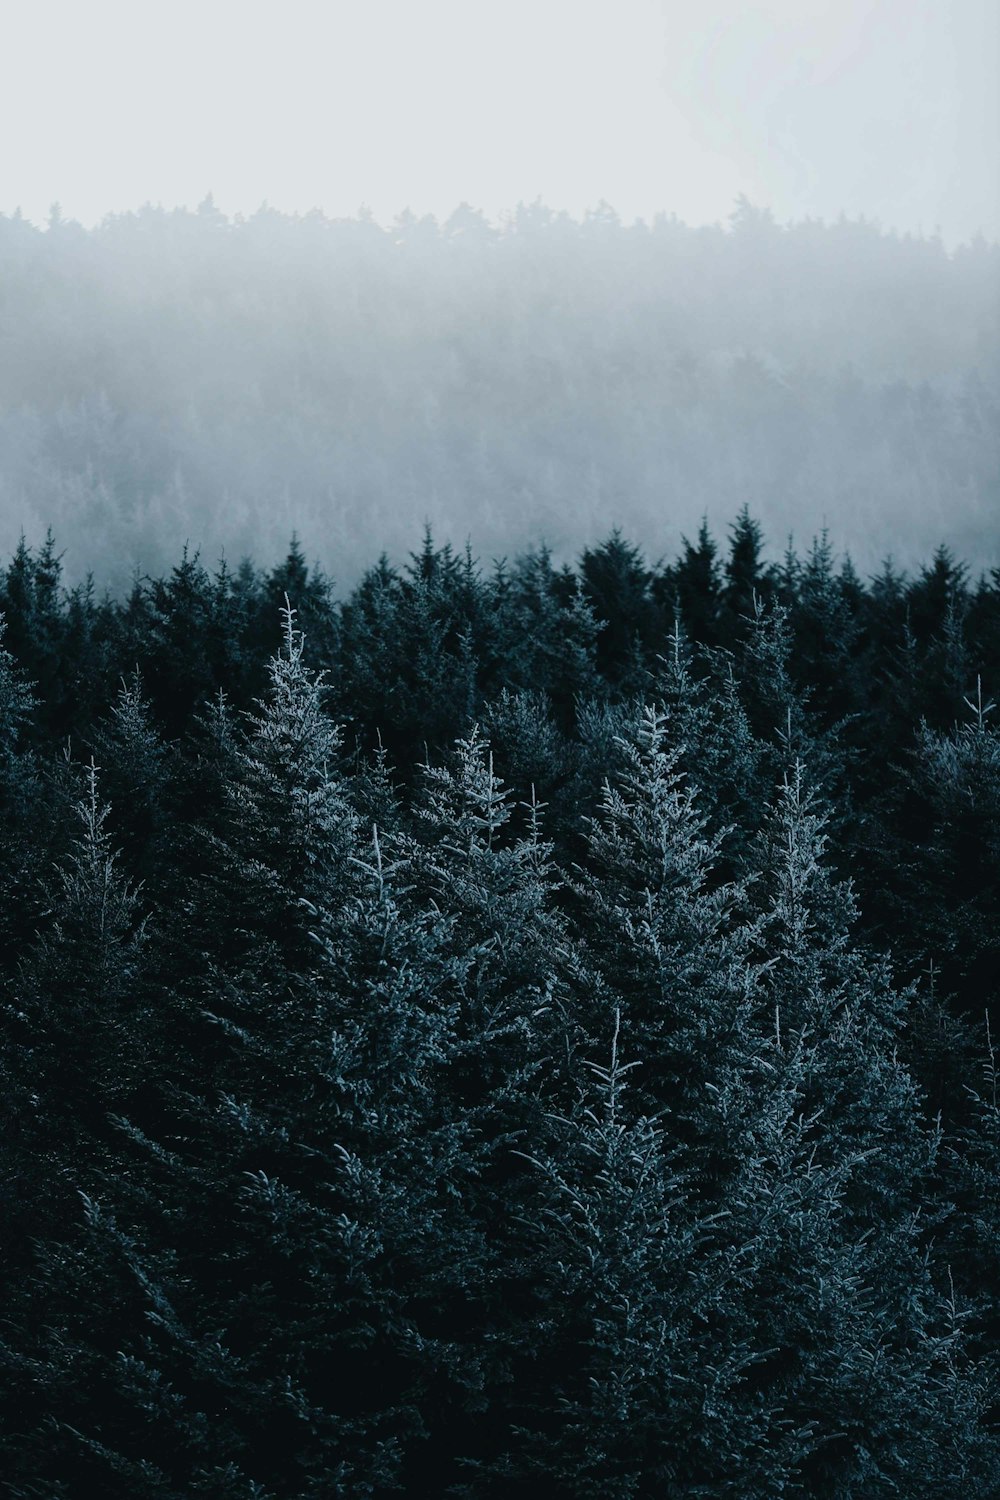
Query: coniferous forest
[[506, 1029]]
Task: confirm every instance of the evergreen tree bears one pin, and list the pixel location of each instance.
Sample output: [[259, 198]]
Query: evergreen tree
[[747, 579], [946, 855], [551, 635], [617, 585], [287, 830], [21, 849], [85, 1028], [642, 1348], [136, 776], [31, 603], [661, 926], [694, 581], [867, 1336], [312, 1182]]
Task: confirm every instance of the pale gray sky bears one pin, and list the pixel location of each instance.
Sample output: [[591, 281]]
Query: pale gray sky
[[887, 108]]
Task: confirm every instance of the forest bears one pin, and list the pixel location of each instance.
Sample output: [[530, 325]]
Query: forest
[[512, 1028], [175, 375]]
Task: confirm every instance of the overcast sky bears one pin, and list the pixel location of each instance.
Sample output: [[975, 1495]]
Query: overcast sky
[[887, 108]]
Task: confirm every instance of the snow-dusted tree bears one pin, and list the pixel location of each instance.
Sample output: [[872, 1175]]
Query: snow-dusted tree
[[493, 875], [706, 721], [281, 836], [866, 1337], [135, 776], [949, 856], [644, 1346], [769, 1041], [664, 930], [82, 1042], [83, 1012]]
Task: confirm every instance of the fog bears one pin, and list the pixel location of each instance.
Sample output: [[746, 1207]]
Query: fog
[[499, 761], [882, 108], [183, 376], [736, 254]]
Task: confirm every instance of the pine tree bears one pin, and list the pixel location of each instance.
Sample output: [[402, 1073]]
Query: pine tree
[[696, 587], [826, 632], [971, 1178], [412, 649], [311, 1180], [136, 776], [705, 720], [662, 928], [84, 1020], [286, 832], [31, 603], [83, 1040], [781, 712], [21, 849], [550, 635], [868, 1338], [747, 579], [950, 856], [497, 885], [617, 585], [642, 1344]]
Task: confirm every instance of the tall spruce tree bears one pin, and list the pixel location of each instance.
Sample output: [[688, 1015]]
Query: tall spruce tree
[[866, 1334], [21, 847], [642, 1343]]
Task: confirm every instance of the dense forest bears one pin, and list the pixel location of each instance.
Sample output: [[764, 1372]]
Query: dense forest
[[506, 1029], [173, 375]]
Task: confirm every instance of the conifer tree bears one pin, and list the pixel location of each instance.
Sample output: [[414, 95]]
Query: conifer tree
[[532, 752], [20, 847], [747, 578], [662, 928], [866, 1335], [411, 653], [949, 856], [286, 830], [781, 712], [318, 1177], [551, 634], [772, 1045], [825, 632], [31, 603], [706, 721], [696, 588], [497, 886], [82, 1043], [136, 773], [84, 1018], [617, 585], [173, 617], [643, 1346], [971, 1181]]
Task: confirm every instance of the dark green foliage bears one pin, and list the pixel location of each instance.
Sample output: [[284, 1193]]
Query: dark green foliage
[[695, 584], [748, 582], [617, 585], [452, 1048], [20, 854]]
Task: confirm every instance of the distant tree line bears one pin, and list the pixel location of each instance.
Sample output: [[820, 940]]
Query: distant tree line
[[511, 1031], [181, 374]]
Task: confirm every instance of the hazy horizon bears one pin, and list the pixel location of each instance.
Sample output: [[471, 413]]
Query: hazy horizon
[[498, 220], [886, 110], [820, 343], [172, 377]]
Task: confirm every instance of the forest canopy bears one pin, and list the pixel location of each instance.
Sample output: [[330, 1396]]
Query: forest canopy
[[523, 1030]]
